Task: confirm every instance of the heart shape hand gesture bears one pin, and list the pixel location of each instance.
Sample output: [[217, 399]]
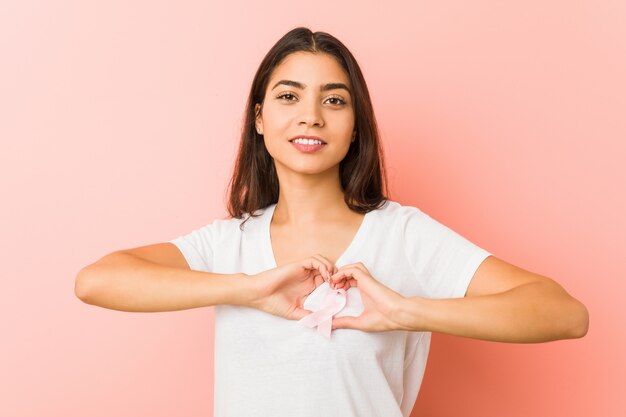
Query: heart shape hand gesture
[[282, 291]]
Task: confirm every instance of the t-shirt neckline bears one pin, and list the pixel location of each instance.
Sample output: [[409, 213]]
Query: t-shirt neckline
[[269, 251]]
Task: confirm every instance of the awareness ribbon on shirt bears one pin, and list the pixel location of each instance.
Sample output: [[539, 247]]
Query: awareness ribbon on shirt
[[334, 302], [326, 303]]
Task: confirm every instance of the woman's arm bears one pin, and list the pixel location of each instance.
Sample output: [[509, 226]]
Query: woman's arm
[[128, 282], [503, 303]]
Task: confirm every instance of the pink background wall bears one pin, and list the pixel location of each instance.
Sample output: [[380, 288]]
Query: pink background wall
[[119, 123]]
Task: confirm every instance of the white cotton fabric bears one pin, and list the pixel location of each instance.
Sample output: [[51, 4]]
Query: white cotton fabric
[[265, 365]]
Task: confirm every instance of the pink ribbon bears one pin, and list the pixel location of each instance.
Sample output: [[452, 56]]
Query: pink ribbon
[[334, 302], [326, 303]]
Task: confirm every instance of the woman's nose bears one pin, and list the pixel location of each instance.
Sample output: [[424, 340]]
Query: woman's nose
[[310, 114]]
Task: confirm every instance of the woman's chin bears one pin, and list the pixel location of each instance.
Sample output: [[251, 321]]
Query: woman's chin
[[309, 169]]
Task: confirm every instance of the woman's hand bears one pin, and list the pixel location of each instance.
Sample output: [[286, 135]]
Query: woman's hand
[[281, 291], [380, 302]]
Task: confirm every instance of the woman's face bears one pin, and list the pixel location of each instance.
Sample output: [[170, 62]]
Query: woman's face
[[307, 94]]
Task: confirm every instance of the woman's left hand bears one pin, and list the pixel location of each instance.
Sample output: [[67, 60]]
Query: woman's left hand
[[380, 303]]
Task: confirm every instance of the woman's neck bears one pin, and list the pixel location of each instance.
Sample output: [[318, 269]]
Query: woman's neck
[[310, 199]]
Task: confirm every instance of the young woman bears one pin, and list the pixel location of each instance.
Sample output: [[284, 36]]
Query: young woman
[[314, 248]]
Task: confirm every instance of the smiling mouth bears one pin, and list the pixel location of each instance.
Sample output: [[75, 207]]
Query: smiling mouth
[[307, 147], [307, 141]]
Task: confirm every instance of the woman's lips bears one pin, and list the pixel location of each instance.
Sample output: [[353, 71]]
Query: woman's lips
[[307, 148]]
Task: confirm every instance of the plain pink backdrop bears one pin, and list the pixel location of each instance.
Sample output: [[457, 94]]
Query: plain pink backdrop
[[119, 123]]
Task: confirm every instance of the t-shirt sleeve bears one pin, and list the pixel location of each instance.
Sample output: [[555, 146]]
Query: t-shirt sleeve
[[443, 261], [198, 247]]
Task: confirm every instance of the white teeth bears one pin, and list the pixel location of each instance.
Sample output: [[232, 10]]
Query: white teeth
[[303, 141]]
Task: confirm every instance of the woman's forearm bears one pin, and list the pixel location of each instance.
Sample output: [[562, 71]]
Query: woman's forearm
[[121, 281], [529, 313]]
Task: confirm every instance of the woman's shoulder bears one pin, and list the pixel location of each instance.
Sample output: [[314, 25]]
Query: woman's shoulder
[[394, 217], [396, 210]]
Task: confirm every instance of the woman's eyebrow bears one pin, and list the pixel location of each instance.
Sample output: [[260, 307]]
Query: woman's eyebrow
[[324, 87]]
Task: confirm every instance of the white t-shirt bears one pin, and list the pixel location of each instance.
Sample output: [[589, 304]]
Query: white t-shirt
[[270, 366]]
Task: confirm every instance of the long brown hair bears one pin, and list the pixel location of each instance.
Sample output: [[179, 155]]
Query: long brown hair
[[254, 183]]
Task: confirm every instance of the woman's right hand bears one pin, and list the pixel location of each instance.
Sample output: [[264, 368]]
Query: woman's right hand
[[281, 291]]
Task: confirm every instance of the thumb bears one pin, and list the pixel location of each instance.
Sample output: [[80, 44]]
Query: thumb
[[345, 322], [299, 313]]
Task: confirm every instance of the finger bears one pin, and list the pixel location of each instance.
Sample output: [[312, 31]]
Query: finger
[[325, 266], [345, 273], [351, 283], [332, 272], [337, 281], [348, 278], [319, 280], [378, 292], [315, 264], [344, 285]]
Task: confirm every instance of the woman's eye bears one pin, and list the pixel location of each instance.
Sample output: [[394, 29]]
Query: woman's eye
[[286, 95], [337, 100]]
